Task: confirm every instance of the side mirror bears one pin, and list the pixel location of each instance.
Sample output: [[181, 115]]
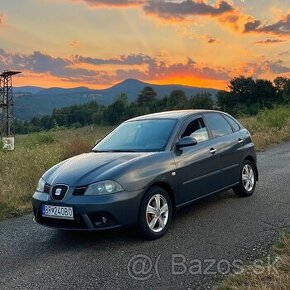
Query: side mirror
[[186, 141]]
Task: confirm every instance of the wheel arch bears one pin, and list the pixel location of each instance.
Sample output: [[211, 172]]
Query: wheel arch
[[253, 161], [169, 190]]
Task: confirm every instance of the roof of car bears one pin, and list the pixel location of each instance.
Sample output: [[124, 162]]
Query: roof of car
[[178, 114]]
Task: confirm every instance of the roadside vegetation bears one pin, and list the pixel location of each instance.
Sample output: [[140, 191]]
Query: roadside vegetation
[[272, 274], [270, 126], [21, 169]]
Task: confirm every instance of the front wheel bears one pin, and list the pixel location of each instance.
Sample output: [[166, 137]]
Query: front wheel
[[248, 179], [155, 213]]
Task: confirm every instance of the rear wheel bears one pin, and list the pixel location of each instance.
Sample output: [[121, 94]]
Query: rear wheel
[[155, 213], [248, 180]]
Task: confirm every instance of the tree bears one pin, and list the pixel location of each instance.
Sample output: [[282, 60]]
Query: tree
[[177, 100], [282, 86], [146, 97], [117, 111], [243, 90], [201, 101], [265, 93]]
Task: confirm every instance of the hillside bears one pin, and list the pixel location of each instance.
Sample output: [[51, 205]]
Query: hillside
[[35, 101]]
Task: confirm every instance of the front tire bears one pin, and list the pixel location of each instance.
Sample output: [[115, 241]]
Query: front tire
[[248, 179], [155, 213]]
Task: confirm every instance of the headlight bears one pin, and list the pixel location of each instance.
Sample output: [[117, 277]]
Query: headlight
[[104, 187], [40, 185]]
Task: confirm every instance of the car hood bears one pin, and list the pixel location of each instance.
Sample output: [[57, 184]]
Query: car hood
[[90, 167]]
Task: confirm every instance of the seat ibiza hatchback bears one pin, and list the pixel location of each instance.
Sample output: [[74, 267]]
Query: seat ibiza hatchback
[[145, 169]]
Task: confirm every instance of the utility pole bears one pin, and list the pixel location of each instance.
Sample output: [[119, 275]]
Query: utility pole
[[7, 128]]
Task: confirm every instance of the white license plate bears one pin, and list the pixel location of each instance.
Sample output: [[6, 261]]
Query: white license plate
[[59, 212]]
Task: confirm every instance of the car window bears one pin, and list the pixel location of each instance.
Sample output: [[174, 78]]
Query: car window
[[143, 135], [218, 125], [197, 130], [233, 123]]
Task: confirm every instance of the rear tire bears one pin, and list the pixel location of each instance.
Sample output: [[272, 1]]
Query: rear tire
[[248, 179], [155, 213]]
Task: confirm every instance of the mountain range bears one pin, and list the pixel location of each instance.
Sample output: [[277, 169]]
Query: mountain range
[[30, 101]]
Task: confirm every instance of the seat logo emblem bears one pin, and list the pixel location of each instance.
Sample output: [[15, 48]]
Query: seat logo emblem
[[58, 192]]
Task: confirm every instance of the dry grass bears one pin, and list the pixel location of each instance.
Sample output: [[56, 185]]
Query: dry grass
[[269, 127], [265, 277], [21, 169]]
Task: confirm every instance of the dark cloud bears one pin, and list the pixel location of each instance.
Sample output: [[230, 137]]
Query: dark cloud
[[67, 68], [41, 63], [277, 67], [212, 40], [159, 70], [269, 41], [282, 27], [182, 9], [131, 59]]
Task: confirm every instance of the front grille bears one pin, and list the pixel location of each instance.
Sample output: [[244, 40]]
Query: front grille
[[59, 191], [80, 190], [46, 188]]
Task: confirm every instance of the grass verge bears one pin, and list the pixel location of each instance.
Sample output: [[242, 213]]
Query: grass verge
[[21, 169], [269, 127], [273, 276]]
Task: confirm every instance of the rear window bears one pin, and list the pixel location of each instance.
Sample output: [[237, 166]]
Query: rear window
[[217, 124], [233, 123]]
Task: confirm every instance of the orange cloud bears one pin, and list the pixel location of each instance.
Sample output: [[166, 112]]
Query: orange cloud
[[112, 3], [46, 70]]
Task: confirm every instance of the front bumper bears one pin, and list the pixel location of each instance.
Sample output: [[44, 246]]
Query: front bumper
[[92, 212]]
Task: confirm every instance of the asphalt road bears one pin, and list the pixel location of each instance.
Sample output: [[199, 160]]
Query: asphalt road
[[205, 239]]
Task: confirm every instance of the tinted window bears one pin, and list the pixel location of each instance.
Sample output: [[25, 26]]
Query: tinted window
[[233, 123], [145, 135], [197, 130], [218, 125]]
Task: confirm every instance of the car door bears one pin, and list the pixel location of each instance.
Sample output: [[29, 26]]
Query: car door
[[197, 168], [228, 142]]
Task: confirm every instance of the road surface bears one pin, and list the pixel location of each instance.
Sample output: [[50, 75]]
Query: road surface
[[205, 241]]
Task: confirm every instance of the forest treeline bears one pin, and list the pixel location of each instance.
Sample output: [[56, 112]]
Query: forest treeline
[[245, 96]]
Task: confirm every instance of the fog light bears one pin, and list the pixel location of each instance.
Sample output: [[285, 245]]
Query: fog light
[[101, 221]]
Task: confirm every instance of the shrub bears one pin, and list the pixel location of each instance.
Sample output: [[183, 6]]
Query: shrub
[[274, 118], [37, 139]]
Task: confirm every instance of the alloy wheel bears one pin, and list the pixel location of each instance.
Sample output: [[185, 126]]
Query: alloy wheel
[[248, 177], [157, 212]]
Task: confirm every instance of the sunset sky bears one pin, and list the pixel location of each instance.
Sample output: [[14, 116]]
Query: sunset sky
[[98, 43]]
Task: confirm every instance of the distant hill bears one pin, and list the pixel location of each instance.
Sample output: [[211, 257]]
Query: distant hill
[[35, 101]]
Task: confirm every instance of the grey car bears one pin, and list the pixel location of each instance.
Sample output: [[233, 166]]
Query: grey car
[[146, 169]]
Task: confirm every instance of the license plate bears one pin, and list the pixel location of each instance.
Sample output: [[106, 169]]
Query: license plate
[[59, 212]]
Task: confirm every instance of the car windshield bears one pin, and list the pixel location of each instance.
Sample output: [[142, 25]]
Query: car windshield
[[139, 136]]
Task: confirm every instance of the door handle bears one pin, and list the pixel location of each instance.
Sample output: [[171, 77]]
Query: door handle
[[212, 150], [240, 141]]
